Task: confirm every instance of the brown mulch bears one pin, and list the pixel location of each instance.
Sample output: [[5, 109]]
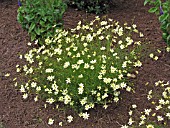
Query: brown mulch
[[17, 113]]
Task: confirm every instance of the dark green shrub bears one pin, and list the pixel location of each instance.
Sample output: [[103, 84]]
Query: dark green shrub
[[41, 18], [96, 6]]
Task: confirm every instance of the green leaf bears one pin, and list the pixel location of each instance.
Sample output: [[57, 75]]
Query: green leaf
[[164, 36], [163, 26], [168, 39], [163, 17], [146, 1], [37, 31], [33, 36], [42, 23], [153, 10], [168, 27], [32, 26], [29, 17]]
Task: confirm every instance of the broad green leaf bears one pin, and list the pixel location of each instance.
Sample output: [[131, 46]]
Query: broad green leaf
[[42, 23], [33, 36], [32, 26], [164, 36], [146, 1], [153, 10], [168, 40], [37, 30], [163, 17]]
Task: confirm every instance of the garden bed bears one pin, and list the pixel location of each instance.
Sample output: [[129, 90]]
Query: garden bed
[[18, 113]]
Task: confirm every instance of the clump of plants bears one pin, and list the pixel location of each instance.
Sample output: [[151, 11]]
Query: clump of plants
[[82, 67], [156, 116], [162, 9], [41, 18], [95, 6]]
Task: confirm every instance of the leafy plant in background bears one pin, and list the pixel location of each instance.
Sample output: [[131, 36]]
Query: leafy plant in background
[[162, 9], [96, 6], [41, 18], [89, 65]]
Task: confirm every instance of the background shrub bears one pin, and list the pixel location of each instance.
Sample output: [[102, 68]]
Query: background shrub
[[95, 6], [41, 18]]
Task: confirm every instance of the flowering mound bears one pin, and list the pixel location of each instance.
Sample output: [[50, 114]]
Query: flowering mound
[[84, 66]]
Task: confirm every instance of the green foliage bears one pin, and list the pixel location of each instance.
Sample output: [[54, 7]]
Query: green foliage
[[163, 10], [95, 6], [41, 18], [84, 66]]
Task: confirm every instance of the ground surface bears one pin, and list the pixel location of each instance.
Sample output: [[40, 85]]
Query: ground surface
[[17, 113]]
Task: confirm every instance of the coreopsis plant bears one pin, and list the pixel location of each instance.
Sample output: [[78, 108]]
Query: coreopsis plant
[[82, 67], [156, 116]]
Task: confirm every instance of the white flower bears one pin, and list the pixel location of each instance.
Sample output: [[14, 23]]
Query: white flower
[[22, 89], [151, 55], [123, 85], [36, 99], [138, 64], [67, 99], [25, 96], [161, 101], [49, 70], [124, 126], [168, 115], [89, 38], [75, 48], [86, 65], [8, 74], [85, 44], [103, 48], [113, 69], [85, 115], [149, 126], [80, 62], [66, 64], [60, 123], [80, 76], [130, 112], [68, 80], [141, 123], [80, 89], [143, 117], [155, 58], [158, 107], [101, 37], [83, 101], [103, 23], [160, 118], [122, 46], [50, 78], [130, 122], [134, 26], [50, 121], [38, 88], [69, 119], [33, 84], [93, 61], [100, 77], [50, 100], [147, 111], [107, 80], [105, 106], [134, 106]]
